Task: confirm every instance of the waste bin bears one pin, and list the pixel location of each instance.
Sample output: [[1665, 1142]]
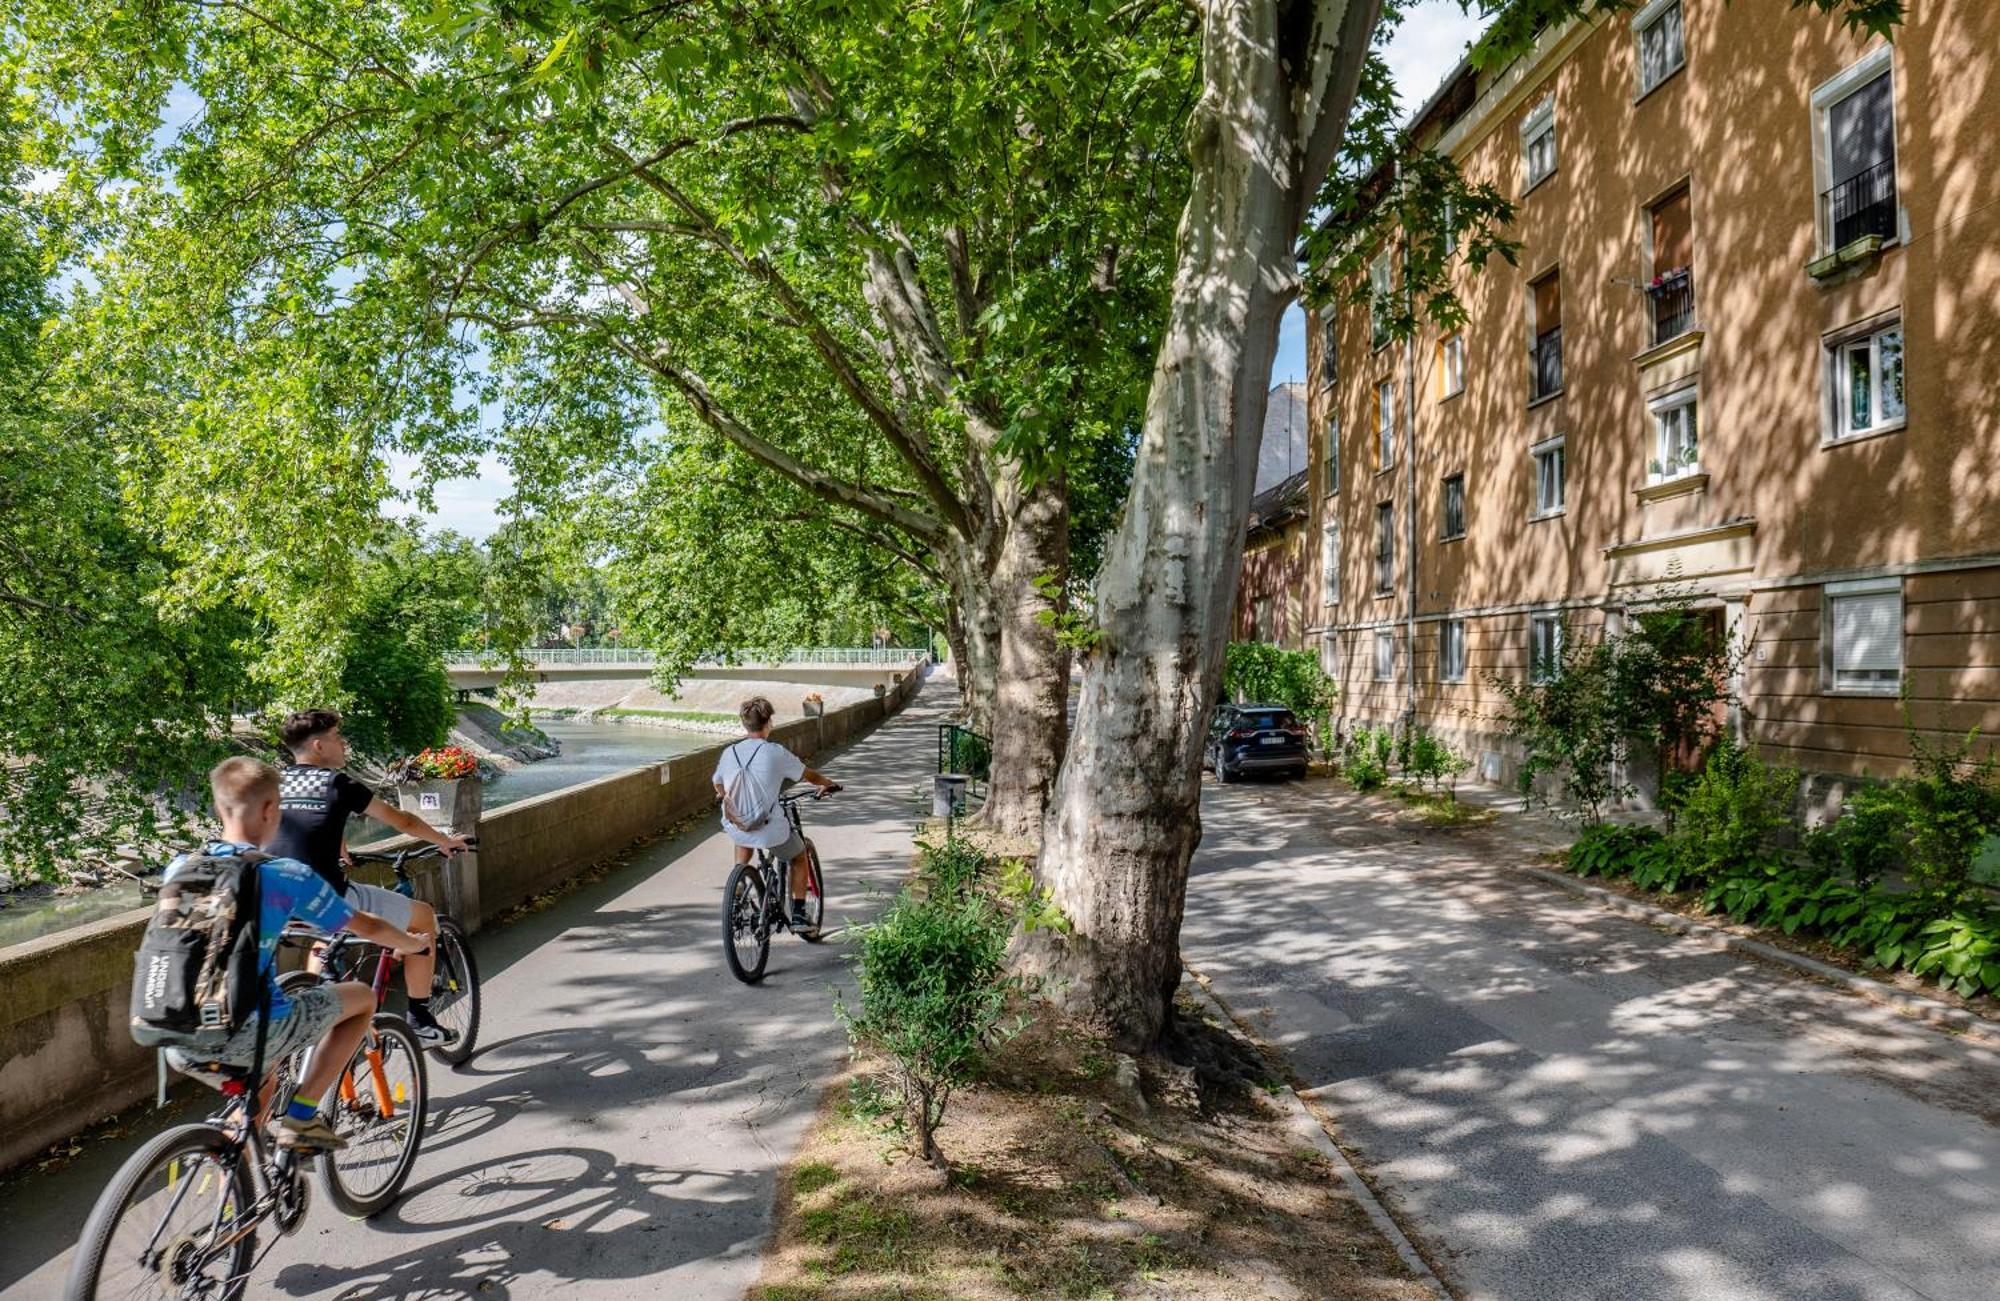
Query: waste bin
[[948, 794]]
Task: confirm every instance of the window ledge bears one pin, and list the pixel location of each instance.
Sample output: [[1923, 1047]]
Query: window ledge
[[1390, 468], [1881, 431], [1852, 256], [1681, 485], [1685, 341], [1540, 515], [1383, 594], [1458, 392], [1451, 537], [1890, 690], [1546, 397], [1540, 181]]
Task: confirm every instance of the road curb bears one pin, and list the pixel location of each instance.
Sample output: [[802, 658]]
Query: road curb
[[1929, 1010], [1317, 1132]]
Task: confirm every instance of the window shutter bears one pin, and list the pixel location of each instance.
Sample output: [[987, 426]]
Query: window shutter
[[1673, 235], [1868, 632], [1860, 131], [1548, 304]]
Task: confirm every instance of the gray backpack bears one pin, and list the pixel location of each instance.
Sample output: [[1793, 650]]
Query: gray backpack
[[736, 807]]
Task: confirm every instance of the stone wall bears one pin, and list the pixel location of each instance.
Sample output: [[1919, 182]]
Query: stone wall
[[67, 1059]]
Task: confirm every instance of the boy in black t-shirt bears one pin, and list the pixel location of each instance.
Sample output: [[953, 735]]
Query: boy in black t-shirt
[[317, 799]]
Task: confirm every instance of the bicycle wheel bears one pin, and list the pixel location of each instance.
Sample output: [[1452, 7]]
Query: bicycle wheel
[[378, 1107], [746, 925], [455, 993], [162, 1226], [813, 931]]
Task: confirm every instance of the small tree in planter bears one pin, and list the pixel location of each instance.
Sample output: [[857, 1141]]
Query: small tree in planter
[[1568, 726]]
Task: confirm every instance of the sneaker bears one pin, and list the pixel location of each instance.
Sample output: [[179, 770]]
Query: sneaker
[[800, 921], [310, 1135], [432, 1035]]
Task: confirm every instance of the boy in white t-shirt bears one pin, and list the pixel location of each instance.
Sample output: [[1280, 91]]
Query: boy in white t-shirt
[[750, 813]]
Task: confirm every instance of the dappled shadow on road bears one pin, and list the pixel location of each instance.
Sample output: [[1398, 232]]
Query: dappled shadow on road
[[1573, 1104], [631, 1103]]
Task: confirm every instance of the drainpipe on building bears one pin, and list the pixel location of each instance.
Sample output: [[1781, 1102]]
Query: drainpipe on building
[[1410, 383]]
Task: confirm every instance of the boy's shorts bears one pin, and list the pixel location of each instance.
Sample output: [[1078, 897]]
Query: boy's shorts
[[313, 1011]]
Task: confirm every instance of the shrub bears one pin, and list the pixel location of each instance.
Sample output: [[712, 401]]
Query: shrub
[[1364, 760], [1610, 850], [1865, 841], [949, 870], [1433, 761], [1253, 670], [1730, 815], [1568, 726], [1950, 806], [933, 990]]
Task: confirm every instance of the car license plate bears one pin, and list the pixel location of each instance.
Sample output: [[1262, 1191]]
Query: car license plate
[[1270, 740]]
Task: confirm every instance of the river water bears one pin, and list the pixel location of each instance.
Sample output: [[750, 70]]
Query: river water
[[589, 751]]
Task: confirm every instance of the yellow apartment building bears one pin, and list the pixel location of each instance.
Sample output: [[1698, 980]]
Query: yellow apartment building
[[1753, 341]]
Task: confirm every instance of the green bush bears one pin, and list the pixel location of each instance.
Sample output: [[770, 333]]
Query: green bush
[[1949, 806], [1364, 759], [1258, 671], [933, 993], [1611, 850], [1865, 841], [1730, 815], [950, 870], [1570, 727], [1433, 761]]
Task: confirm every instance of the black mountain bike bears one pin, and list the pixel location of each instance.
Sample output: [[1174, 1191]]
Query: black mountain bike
[[180, 1218], [757, 899]]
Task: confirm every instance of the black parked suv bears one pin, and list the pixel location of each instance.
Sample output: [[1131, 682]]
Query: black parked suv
[[1255, 738]]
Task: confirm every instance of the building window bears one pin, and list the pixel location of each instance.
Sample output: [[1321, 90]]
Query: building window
[[1451, 365], [1385, 655], [1451, 650], [1329, 654], [1450, 226], [1676, 437], [1545, 646], [1329, 349], [1549, 481], [1672, 286], [1863, 644], [1264, 616], [1451, 511], [1538, 143], [1661, 53], [1865, 378], [1330, 563], [1385, 549], [1545, 304], [1385, 424], [1855, 153], [1332, 452], [1378, 298]]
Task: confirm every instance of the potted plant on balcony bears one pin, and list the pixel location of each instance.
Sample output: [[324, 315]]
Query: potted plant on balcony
[[441, 786]]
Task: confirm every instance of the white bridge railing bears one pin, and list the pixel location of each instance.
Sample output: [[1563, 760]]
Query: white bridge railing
[[633, 657]]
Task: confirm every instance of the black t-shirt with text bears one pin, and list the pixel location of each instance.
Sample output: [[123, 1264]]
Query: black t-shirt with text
[[317, 802]]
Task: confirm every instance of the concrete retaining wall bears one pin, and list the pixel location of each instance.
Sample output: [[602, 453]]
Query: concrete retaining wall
[[67, 1058]]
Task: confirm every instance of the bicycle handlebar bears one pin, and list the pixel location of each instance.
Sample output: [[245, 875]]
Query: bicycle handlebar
[[810, 793], [404, 855]]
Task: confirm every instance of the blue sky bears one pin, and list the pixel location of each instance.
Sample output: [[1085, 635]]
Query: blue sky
[[1431, 40]]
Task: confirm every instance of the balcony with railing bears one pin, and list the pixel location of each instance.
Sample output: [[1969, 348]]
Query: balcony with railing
[[1673, 304], [1548, 363], [1862, 205]]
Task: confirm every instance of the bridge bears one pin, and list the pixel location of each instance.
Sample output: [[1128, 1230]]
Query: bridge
[[864, 666]]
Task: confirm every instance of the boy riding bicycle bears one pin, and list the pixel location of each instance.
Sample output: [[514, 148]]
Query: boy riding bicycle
[[332, 1016], [748, 780], [316, 799]]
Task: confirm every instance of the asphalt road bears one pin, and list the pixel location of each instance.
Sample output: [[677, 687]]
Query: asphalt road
[[1562, 1103], [620, 1132]]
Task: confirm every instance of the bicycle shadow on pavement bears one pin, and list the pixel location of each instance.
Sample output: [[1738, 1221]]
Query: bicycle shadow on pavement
[[551, 1217]]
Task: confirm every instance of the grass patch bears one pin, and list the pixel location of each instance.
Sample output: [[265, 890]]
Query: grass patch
[[1065, 1184], [676, 715], [1439, 810]]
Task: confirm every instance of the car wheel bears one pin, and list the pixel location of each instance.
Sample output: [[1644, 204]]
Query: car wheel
[[1225, 772], [1299, 773]]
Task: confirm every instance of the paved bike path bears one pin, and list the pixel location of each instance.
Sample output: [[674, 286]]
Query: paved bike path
[[620, 1130], [1568, 1104]]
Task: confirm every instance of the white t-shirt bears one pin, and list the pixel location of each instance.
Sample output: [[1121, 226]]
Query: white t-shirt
[[767, 766]]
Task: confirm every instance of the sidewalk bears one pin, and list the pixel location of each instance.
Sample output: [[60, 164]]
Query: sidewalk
[[1560, 1102], [620, 1130]]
